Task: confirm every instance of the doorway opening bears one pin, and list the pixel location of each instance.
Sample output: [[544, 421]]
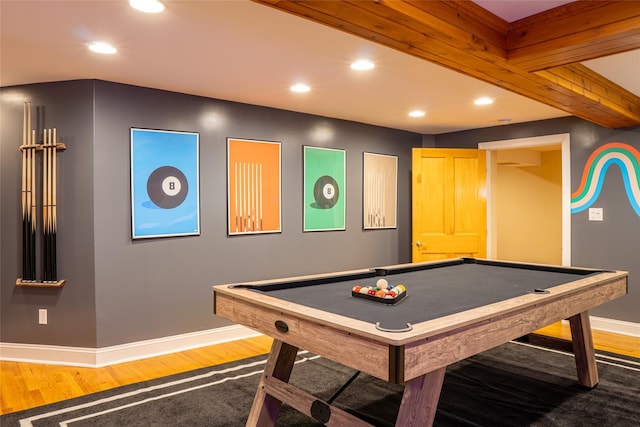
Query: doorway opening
[[529, 199]]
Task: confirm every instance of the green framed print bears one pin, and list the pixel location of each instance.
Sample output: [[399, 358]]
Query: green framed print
[[324, 189]]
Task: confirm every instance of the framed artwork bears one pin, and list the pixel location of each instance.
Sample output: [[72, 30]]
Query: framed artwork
[[324, 189], [380, 191], [165, 188], [254, 199]]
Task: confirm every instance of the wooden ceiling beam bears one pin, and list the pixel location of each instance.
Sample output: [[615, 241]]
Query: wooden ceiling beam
[[589, 84], [464, 37], [576, 32]]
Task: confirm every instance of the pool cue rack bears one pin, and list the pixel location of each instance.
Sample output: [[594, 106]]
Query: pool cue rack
[[47, 151]]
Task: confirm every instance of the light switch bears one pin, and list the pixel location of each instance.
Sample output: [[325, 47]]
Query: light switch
[[595, 214]]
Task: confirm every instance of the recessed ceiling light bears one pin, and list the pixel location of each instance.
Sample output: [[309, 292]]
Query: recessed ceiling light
[[147, 6], [485, 100], [300, 87], [102, 47], [362, 65], [416, 113]]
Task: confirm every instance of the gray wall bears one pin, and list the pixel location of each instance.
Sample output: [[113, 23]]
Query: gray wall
[[68, 107], [613, 243], [122, 291]]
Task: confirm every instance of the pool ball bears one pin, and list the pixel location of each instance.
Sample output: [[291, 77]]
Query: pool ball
[[382, 283]]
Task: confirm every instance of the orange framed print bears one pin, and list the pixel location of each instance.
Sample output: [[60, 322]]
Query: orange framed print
[[380, 191], [254, 198]]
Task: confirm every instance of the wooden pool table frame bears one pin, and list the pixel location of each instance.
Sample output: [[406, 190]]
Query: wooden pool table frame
[[417, 358]]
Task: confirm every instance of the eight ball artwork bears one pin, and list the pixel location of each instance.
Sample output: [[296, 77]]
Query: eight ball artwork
[[326, 192], [167, 187]]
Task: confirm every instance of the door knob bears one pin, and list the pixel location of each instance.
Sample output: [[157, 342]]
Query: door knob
[[419, 244]]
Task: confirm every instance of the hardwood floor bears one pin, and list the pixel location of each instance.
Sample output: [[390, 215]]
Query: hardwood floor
[[27, 385]]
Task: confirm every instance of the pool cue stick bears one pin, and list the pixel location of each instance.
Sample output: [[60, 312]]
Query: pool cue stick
[[370, 179], [244, 196], [45, 205], [372, 199], [247, 216], [54, 216], [45, 258], [374, 192], [235, 174], [384, 199], [382, 178], [240, 195], [372, 202], [33, 204], [240, 210], [49, 203], [249, 197], [25, 208], [254, 199], [243, 221], [365, 197], [50, 206], [31, 167], [380, 196], [247, 204], [260, 196], [54, 219], [254, 194]]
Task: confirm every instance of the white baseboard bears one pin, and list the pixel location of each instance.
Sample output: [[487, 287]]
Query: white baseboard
[[616, 326], [96, 358]]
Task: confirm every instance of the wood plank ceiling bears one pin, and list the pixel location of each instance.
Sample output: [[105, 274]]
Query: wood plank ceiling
[[537, 57]]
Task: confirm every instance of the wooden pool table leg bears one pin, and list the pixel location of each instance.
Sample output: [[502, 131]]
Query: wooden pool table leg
[[583, 349], [420, 399], [265, 408]]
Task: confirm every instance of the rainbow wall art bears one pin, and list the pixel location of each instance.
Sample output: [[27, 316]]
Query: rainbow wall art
[[626, 158]]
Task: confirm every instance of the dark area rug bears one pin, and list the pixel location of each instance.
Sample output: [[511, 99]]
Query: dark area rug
[[512, 385]]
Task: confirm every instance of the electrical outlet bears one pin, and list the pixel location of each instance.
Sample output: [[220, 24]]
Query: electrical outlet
[[596, 214], [42, 316]]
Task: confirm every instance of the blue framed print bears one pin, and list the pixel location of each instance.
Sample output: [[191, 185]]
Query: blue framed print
[[165, 188]]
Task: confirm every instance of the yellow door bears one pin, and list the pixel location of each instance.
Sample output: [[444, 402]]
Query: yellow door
[[449, 204]]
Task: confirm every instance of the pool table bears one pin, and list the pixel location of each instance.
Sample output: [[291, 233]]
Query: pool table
[[453, 309]]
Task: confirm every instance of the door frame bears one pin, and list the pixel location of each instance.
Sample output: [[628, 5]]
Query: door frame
[[564, 140]]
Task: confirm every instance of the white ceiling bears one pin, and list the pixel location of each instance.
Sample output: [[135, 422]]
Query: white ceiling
[[247, 52]]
